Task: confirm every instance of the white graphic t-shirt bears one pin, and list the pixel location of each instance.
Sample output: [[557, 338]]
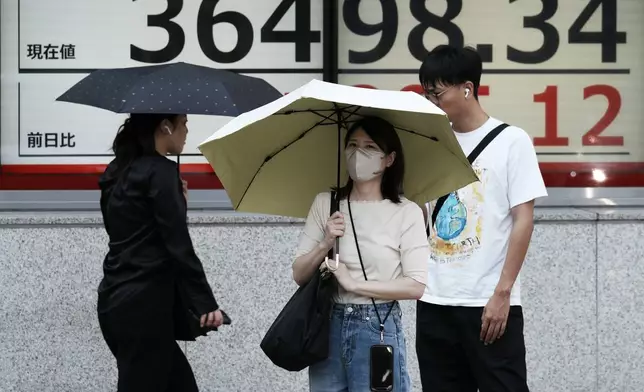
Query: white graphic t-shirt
[[469, 240]]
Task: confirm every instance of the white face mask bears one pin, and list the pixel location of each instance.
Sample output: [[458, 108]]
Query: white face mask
[[363, 164]]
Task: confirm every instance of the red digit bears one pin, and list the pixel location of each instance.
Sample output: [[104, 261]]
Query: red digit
[[364, 86], [413, 87], [549, 98], [592, 137]]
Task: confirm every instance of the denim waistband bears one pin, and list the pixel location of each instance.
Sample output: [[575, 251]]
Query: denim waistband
[[367, 310]]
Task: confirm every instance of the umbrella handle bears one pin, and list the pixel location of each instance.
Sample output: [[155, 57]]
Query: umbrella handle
[[337, 263]]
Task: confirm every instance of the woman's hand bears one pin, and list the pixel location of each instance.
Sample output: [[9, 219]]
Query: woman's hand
[[334, 228], [212, 319], [184, 185], [344, 278]]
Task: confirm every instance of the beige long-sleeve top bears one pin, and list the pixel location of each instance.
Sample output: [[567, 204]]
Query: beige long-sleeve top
[[392, 240]]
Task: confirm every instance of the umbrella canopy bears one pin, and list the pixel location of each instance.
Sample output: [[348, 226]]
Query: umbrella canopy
[[174, 88], [276, 158]]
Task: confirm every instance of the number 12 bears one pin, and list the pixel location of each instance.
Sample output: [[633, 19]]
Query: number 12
[[591, 138]]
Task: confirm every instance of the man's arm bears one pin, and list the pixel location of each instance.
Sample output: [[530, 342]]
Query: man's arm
[[525, 184], [522, 226]]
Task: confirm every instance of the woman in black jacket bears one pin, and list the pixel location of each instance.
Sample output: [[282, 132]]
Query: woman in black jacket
[[154, 284]]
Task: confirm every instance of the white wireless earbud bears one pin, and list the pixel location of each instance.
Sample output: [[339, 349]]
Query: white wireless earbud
[[467, 92], [167, 129]]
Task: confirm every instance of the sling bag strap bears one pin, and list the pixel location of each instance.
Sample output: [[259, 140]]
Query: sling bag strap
[[471, 158]]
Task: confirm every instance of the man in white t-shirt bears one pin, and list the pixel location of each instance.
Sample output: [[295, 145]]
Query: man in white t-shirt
[[469, 331]]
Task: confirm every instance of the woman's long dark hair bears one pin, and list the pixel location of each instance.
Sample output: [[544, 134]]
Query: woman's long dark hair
[[135, 138], [385, 136]]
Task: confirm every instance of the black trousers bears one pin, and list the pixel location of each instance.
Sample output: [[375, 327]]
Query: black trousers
[[147, 364], [452, 358]]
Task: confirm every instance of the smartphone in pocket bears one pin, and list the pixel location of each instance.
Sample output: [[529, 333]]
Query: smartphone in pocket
[[382, 368]]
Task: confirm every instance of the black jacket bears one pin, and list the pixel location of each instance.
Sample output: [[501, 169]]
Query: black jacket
[[151, 274]]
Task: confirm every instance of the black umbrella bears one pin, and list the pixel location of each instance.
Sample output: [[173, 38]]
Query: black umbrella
[[175, 88]]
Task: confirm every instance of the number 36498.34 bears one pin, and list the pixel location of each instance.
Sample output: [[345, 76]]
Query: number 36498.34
[[387, 29]]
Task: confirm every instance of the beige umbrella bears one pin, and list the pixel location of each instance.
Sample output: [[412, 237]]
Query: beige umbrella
[[276, 158]]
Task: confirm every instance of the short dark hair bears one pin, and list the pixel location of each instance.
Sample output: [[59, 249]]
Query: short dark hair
[[385, 136], [451, 65]]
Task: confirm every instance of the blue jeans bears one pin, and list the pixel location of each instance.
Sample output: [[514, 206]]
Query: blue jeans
[[354, 329]]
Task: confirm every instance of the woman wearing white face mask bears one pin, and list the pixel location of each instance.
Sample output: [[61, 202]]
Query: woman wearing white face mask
[[386, 242]]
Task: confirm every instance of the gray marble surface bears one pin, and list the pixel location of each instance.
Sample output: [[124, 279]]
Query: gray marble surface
[[94, 218], [542, 214], [582, 289], [620, 214], [620, 318], [558, 290], [48, 286]]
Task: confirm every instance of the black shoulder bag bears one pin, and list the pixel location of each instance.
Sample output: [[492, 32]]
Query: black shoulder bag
[[381, 358], [471, 158], [299, 336]]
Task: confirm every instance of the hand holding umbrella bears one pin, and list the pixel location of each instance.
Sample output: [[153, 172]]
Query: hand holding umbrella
[[334, 229]]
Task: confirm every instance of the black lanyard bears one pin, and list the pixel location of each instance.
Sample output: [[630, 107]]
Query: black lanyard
[[373, 301]]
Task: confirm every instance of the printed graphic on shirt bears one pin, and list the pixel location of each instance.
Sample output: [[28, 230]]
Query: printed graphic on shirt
[[458, 228]]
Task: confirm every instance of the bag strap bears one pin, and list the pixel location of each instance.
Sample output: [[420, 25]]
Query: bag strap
[[373, 301], [471, 158]]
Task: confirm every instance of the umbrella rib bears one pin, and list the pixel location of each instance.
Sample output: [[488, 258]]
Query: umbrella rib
[[416, 133], [325, 117], [344, 120], [355, 112], [334, 122], [338, 112], [268, 158], [344, 114], [310, 111], [357, 107], [344, 111]]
